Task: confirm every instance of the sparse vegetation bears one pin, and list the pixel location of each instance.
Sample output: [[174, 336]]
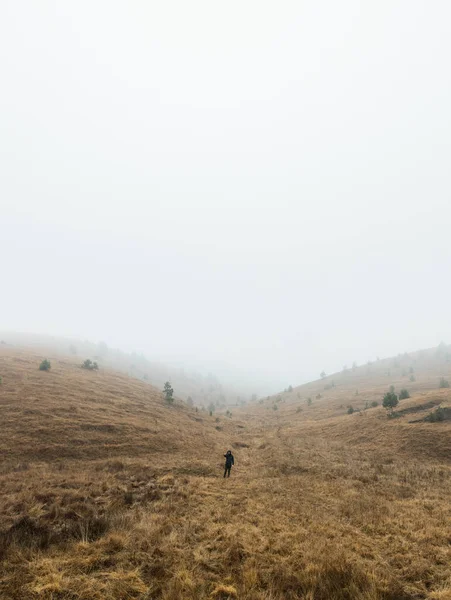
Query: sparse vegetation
[[444, 383], [90, 365], [323, 374], [139, 509], [374, 403], [45, 365], [404, 394], [350, 410]]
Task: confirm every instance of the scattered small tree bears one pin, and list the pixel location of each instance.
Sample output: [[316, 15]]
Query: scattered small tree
[[374, 403], [392, 389], [275, 407], [403, 394], [309, 401], [323, 374], [90, 365], [168, 392], [290, 388], [1, 380], [45, 365], [390, 401], [444, 383], [412, 378], [189, 401], [350, 410]]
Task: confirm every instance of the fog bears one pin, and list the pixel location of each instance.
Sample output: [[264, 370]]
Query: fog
[[256, 189]]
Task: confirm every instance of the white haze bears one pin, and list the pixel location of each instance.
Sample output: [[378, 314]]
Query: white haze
[[259, 189]]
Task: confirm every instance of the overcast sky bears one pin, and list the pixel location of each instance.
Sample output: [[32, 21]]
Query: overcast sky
[[260, 186]]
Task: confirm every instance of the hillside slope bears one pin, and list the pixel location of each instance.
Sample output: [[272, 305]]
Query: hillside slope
[[125, 499], [203, 389]]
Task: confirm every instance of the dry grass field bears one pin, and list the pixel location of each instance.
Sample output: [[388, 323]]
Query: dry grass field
[[109, 493]]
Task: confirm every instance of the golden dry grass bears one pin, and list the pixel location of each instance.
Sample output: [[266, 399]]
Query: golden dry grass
[[110, 494]]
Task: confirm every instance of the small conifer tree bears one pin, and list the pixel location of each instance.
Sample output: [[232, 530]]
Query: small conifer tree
[[168, 393]]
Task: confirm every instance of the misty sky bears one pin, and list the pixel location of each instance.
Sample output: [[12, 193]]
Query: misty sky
[[260, 186]]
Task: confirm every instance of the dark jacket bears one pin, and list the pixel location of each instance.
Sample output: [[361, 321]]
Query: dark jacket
[[229, 460]]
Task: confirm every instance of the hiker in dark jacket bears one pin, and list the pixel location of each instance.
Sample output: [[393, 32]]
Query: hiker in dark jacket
[[229, 462]]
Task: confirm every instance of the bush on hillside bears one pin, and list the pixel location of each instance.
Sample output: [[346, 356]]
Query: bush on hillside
[[168, 392], [444, 383], [1, 380], [91, 366], [309, 401], [350, 410], [403, 394], [290, 388], [374, 403], [189, 401], [323, 374], [390, 401], [45, 365], [437, 415]]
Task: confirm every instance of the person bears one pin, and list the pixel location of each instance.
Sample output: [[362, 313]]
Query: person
[[229, 462]]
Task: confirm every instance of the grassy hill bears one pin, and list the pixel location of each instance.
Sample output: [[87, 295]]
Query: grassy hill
[[110, 493], [203, 389]]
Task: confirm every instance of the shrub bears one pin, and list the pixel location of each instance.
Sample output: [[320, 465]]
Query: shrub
[[1, 380], [275, 407], [374, 403], [350, 410], [390, 401], [323, 374], [189, 401], [45, 365], [437, 415], [168, 392], [290, 388], [392, 389], [403, 394], [309, 401], [91, 366], [318, 396], [444, 383], [412, 378]]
